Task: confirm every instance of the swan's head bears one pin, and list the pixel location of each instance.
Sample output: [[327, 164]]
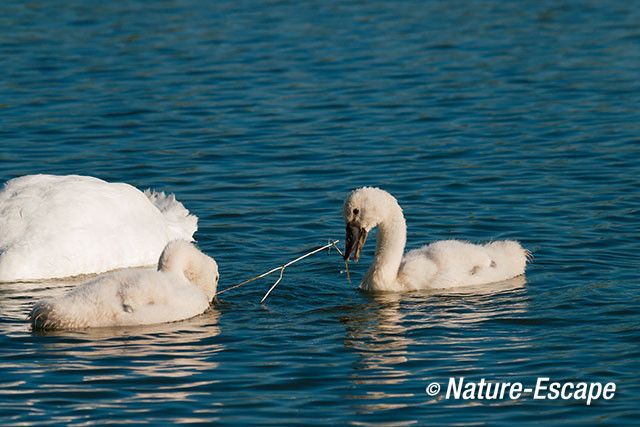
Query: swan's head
[[182, 257], [363, 210]]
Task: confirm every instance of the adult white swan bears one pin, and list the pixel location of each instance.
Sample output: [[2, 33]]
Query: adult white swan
[[442, 264], [182, 287], [60, 226]]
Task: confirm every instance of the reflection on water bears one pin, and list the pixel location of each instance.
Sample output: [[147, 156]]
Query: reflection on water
[[381, 333], [17, 299], [113, 367], [377, 334], [122, 368], [487, 120]]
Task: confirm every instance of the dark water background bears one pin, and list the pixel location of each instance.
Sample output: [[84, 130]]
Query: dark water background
[[486, 119]]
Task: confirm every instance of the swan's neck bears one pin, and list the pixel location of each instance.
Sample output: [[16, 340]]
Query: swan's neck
[[392, 237], [183, 259]]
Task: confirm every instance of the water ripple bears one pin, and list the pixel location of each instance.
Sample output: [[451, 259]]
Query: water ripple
[[501, 120]]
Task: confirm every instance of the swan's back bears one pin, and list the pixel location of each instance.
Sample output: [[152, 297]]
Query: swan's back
[[450, 263], [122, 298], [60, 226], [182, 287]]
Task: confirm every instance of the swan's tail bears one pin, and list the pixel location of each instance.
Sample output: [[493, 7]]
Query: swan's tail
[[44, 317], [181, 223]]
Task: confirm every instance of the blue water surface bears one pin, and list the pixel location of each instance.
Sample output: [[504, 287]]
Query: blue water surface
[[486, 119]]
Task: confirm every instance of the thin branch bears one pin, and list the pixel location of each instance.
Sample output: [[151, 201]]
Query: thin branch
[[281, 268], [247, 281], [291, 262]]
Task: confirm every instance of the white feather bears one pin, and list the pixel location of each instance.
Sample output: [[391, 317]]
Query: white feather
[[442, 264], [62, 226], [181, 288]]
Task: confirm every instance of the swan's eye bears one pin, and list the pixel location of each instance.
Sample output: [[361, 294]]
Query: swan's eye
[[356, 211]]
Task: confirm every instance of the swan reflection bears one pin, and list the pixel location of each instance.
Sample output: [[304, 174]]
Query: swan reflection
[[170, 350], [400, 337]]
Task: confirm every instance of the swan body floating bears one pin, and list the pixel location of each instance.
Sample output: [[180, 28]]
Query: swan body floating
[[182, 287], [442, 264], [61, 226]]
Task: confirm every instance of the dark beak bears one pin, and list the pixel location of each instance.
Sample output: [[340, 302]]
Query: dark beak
[[354, 241]]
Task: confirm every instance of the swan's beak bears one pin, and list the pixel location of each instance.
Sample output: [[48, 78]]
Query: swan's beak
[[356, 236]]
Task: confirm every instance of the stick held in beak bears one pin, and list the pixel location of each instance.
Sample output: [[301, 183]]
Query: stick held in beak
[[354, 241]]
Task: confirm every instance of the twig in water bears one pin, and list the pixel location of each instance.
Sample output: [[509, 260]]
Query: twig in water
[[345, 262], [281, 268], [247, 281], [291, 262]]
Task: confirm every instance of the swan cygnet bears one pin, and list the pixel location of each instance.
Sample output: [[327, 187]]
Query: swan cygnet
[[61, 226], [442, 264], [182, 287]]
